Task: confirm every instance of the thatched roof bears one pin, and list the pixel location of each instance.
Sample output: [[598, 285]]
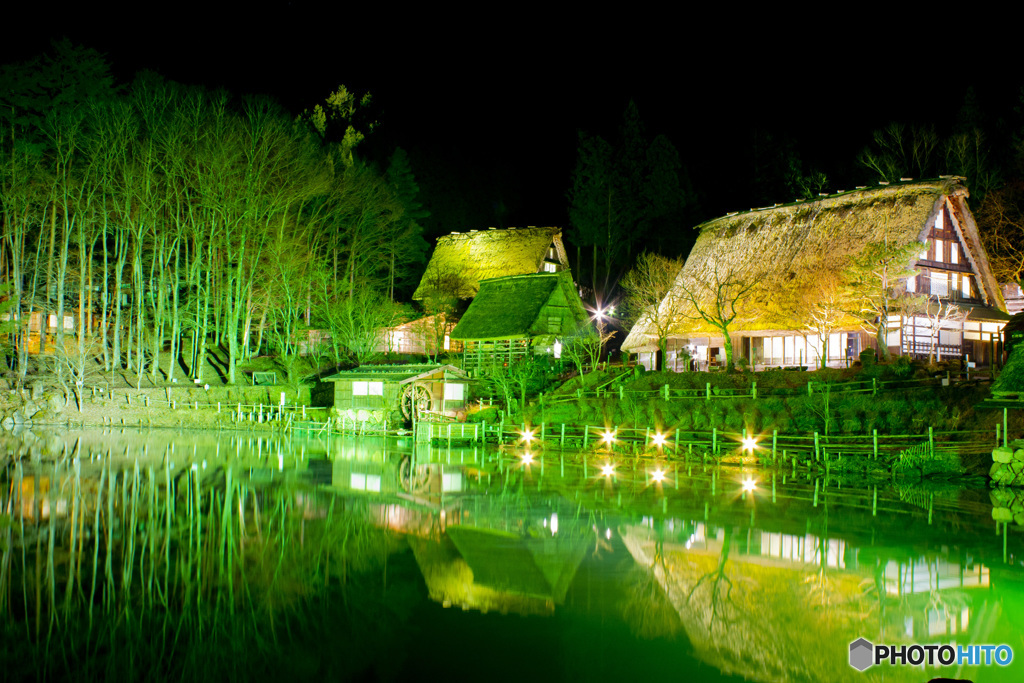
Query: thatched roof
[[402, 374], [521, 306], [461, 260], [788, 249]]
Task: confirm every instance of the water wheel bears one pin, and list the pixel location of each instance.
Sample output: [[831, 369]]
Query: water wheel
[[415, 401], [413, 480]]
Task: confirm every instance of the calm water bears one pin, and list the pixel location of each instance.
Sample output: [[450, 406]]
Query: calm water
[[203, 556]]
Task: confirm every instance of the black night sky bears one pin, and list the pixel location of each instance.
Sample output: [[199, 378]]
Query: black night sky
[[502, 93]]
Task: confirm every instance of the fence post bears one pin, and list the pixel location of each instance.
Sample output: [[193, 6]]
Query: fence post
[[1004, 428], [561, 439], [874, 440], [714, 441], [707, 391], [931, 442], [775, 438], [874, 386], [621, 393], [810, 388], [666, 392], [586, 435], [754, 392], [816, 452]]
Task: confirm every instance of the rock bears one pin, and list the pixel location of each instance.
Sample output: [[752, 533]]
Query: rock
[[37, 391], [1002, 515], [1019, 519], [1001, 497], [7, 423], [56, 403], [1002, 454], [1019, 454]]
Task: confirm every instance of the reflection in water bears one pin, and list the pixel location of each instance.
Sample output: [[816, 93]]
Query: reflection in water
[[133, 556]]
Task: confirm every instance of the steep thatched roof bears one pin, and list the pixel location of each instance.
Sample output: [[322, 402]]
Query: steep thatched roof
[[787, 250], [461, 260], [522, 306]]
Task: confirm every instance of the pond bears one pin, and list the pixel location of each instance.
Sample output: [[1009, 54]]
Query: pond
[[228, 556]]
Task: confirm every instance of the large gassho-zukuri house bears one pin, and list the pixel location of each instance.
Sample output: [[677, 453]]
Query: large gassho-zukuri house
[[795, 255], [462, 259]]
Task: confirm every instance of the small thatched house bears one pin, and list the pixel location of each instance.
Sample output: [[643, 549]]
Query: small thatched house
[[513, 317], [375, 393], [789, 261], [461, 260]]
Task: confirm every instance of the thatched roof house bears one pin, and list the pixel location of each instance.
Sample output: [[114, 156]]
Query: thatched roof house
[[514, 316], [793, 253], [461, 260], [375, 393]]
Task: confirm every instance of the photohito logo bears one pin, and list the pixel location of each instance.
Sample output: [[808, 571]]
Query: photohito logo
[[863, 654]]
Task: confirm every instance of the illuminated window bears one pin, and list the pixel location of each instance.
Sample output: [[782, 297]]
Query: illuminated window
[[954, 252], [550, 267], [912, 284], [965, 286], [454, 392], [367, 388], [939, 250], [940, 284]]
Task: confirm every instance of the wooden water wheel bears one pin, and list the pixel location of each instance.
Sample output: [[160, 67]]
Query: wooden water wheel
[[413, 480], [415, 401]]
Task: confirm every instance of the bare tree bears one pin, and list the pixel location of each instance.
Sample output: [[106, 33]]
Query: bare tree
[[876, 281], [1002, 216], [651, 301], [714, 300], [583, 348]]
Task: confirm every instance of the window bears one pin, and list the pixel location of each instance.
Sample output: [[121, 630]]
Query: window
[[939, 249], [364, 394], [454, 392], [912, 283], [954, 252], [550, 267], [965, 286], [940, 284]]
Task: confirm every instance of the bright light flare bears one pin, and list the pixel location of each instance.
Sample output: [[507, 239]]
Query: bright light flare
[[749, 485], [608, 470], [608, 438], [658, 475], [527, 436], [749, 443], [526, 458], [659, 439]]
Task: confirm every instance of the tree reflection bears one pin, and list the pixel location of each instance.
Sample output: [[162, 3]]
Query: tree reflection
[[146, 572]]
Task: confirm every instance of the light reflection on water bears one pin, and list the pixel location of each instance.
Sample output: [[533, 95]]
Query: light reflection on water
[[598, 567]]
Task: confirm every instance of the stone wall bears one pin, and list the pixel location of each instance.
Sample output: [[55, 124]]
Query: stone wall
[[1008, 464]]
